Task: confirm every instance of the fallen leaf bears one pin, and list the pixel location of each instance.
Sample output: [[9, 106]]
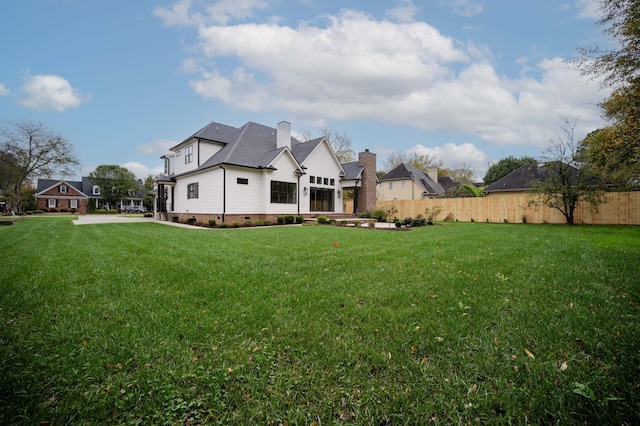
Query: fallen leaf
[[563, 366], [439, 339], [495, 341], [50, 401], [256, 349], [529, 354]]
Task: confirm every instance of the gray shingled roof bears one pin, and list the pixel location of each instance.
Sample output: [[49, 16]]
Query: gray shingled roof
[[353, 171], [518, 180], [252, 145], [407, 171], [44, 184]]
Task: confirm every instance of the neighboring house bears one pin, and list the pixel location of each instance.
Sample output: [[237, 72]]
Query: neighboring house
[[256, 172], [406, 182], [59, 195]]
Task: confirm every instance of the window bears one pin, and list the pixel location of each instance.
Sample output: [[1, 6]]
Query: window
[[166, 166], [73, 204], [326, 181], [322, 200], [188, 154], [403, 184], [318, 180], [243, 181], [312, 179], [283, 192], [96, 190], [63, 189], [192, 190], [51, 203], [332, 182], [390, 185]]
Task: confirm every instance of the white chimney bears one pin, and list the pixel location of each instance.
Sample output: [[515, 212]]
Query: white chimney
[[284, 134], [432, 172]]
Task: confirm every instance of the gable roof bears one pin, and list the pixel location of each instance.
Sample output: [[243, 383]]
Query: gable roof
[[353, 171], [251, 145], [518, 180], [84, 186], [45, 184], [407, 171]]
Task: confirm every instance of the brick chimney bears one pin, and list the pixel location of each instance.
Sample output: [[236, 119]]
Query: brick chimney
[[284, 135], [367, 190]]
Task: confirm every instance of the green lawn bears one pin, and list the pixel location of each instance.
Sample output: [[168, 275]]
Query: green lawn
[[448, 324]]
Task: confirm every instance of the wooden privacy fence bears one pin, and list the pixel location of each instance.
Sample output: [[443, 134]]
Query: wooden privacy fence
[[620, 208]]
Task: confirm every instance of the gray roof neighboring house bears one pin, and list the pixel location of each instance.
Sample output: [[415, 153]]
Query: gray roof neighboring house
[[84, 186], [518, 180], [407, 171]]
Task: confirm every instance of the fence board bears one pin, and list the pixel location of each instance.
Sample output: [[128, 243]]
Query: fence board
[[620, 208]]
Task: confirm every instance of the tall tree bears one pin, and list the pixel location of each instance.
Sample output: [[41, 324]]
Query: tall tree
[[30, 151], [416, 159], [462, 174], [504, 167], [565, 179], [620, 67], [341, 144], [115, 182]]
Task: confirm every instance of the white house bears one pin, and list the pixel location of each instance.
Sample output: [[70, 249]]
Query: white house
[[253, 172]]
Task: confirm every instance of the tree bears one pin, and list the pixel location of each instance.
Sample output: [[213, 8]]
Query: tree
[[115, 183], [341, 144], [466, 190], [619, 151], [607, 151], [504, 167], [462, 174], [418, 160], [30, 151], [565, 179]]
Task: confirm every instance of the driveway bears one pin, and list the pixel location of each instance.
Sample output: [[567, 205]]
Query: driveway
[[93, 219]]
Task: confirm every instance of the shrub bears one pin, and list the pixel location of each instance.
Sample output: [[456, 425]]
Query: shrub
[[259, 223], [280, 219], [449, 218], [357, 223], [299, 219], [212, 222], [223, 224], [505, 220], [472, 220], [248, 223], [175, 218], [64, 211], [322, 219], [191, 220], [372, 225], [267, 222], [148, 215], [332, 221], [418, 222], [343, 222], [73, 210], [433, 212], [398, 223], [289, 219], [236, 224]]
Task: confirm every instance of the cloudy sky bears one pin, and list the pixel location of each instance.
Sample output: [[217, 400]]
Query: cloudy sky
[[467, 81]]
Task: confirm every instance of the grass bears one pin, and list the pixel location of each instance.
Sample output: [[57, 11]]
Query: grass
[[457, 324]]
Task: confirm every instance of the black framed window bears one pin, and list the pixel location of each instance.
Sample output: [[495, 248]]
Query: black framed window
[[243, 181], [192, 190], [188, 154], [284, 192]]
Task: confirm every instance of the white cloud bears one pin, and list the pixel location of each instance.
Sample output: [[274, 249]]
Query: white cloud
[[588, 9], [466, 8], [405, 12], [221, 12], [407, 74], [4, 91], [141, 171], [157, 147], [51, 92], [454, 156]]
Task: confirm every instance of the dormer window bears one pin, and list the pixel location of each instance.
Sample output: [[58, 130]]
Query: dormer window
[[166, 166], [63, 189], [96, 190], [188, 154]]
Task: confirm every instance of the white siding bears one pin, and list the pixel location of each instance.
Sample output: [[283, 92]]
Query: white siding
[[286, 166], [207, 150], [321, 163], [243, 198], [209, 193]]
